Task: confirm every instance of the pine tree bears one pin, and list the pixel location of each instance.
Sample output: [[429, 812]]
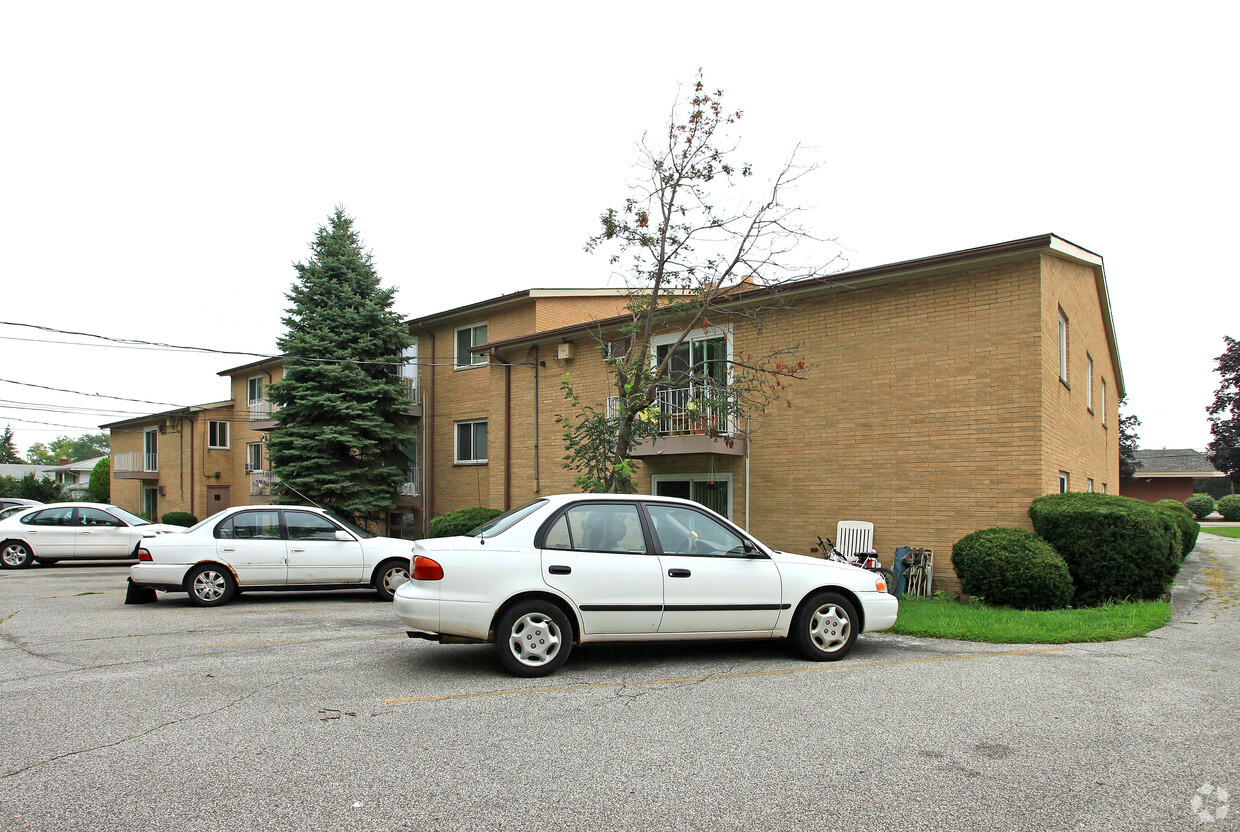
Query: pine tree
[[342, 423], [8, 450]]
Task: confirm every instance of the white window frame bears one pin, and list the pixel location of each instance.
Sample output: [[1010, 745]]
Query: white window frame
[[1089, 382], [1063, 346], [469, 359], [254, 456], [1065, 482], [473, 441], [250, 389], [1102, 400], [704, 334], [216, 426], [1089, 485]]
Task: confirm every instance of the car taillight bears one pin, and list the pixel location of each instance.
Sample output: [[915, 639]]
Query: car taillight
[[425, 569], [143, 554]]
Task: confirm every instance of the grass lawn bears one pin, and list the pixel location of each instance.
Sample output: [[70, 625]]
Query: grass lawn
[[942, 617], [1225, 531]]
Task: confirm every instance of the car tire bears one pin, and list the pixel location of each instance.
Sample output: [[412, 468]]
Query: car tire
[[15, 554], [210, 585], [825, 627], [390, 575], [47, 561], [533, 638]]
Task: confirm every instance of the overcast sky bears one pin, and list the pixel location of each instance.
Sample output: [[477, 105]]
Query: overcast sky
[[165, 164]]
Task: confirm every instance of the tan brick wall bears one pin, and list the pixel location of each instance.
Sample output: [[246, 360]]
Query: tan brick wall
[[1079, 441], [932, 408]]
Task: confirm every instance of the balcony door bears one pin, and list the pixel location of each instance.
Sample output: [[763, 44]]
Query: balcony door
[[711, 490]]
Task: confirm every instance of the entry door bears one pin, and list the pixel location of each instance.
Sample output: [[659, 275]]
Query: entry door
[[218, 498], [596, 555]]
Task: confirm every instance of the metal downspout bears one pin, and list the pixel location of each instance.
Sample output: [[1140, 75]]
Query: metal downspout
[[428, 442], [507, 427]]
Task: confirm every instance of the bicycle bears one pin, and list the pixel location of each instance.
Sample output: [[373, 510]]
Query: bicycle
[[863, 560]]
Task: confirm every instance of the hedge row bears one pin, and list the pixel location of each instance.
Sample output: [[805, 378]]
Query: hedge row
[[461, 521]]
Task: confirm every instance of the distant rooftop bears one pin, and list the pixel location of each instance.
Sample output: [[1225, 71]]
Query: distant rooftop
[[1175, 462]]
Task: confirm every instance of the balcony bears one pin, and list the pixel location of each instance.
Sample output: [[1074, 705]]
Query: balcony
[[263, 414], [261, 483], [135, 466], [410, 492], [691, 420], [413, 395]]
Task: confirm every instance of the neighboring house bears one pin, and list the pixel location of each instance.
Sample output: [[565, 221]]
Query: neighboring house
[[18, 470], [1168, 474], [943, 395], [73, 477]]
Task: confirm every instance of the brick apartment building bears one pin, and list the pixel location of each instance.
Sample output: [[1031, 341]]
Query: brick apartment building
[[943, 395]]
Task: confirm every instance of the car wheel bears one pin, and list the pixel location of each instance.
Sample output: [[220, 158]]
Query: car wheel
[[390, 575], [825, 627], [16, 555], [47, 561], [533, 639], [210, 585]]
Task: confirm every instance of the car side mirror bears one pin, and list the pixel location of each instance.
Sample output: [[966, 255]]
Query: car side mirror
[[344, 536]]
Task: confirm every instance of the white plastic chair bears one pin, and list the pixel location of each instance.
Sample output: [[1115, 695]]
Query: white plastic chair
[[854, 537]]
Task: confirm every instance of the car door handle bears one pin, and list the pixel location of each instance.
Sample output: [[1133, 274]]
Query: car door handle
[[299, 550], [678, 573], [560, 570], [228, 549]]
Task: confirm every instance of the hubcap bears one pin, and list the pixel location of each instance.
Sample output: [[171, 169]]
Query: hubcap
[[209, 586], [393, 578], [15, 555], [535, 639], [829, 628]]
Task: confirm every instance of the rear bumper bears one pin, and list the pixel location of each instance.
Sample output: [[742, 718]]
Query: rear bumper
[[166, 576]]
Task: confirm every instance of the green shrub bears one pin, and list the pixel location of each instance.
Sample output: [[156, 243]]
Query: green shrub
[[1012, 568], [1201, 505], [1229, 507], [1189, 528], [1116, 548], [179, 518], [461, 521], [100, 488]]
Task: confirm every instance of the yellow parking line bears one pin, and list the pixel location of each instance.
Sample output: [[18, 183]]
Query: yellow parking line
[[214, 611], [297, 641], [814, 667]]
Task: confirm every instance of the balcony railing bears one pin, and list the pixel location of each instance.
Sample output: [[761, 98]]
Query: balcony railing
[[133, 462], [412, 393], [412, 488], [262, 409], [683, 411], [261, 483]]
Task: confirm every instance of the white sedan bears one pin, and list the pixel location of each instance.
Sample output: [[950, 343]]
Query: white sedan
[[262, 548], [577, 568], [60, 531]]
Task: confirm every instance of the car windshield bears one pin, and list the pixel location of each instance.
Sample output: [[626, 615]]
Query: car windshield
[[131, 519], [357, 530], [506, 520]]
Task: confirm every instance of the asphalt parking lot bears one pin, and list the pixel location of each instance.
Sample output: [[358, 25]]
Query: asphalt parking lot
[[315, 712]]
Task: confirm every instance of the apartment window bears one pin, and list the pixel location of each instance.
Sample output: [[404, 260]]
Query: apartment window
[[1063, 482], [254, 456], [1089, 485], [467, 337], [1089, 382], [1063, 346], [1102, 400], [1104, 488], [217, 434], [471, 442], [711, 490]]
